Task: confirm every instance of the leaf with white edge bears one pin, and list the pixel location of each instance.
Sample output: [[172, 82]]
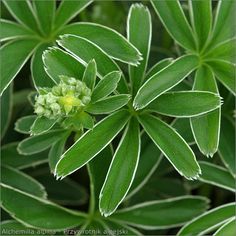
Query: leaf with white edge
[[164, 80], [225, 24], [139, 15], [42, 125], [172, 16], [149, 161], [185, 104], [11, 30], [13, 56], [145, 215], [40, 142], [39, 76], [11, 157], [6, 109], [44, 10], [109, 104], [201, 10], [157, 67], [67, 10], [223, 51], [208, 221], [227, 145], [58, 62], [49, 215], [122, 170], [229, 228], [225, 73], [91, 143], [84, 51], [24, 124], [178, 153], [106, 86], [109, 40], [206, 128], [22, 11], [89, 77], [217, 175], [19, 180]]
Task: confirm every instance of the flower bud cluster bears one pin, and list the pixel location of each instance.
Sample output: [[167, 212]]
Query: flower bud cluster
[[65, 99]]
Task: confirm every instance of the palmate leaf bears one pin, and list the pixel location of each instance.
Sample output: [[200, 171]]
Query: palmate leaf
[[178, 153], [20, 50], [206, 128], [164, 80], [185, 104], [113, 43], [91, 143], [57, 62], [11, 30], [145, 215], [49, 215], [208, 221], [22, 181], [217, 175], [84, 51], [122, 170], [68, 10], [173, 18], [139, 16], [201, 10], [89, 76], [227, 145], [229, 228], [24, 124]]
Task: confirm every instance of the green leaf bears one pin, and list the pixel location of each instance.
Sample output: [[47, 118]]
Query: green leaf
[[11, 30], [56, 151], [200, 10], [178, 153], [185, 104], [13, 56], [49, 215], [91, 143], [109, 104], [39, 76], [223, 51], [157, 67], [85, 120], [85, 51], [145, 215], [227, 145], [106, 86], [224, 25], [139, 15], [58, 62], [149, 160], [42, 125], [22, 11], [208, 221], [174, 20], [206, 128], [40, 142], [225, 73], [24, 124], [165, 79], [44, 10], [6, 110], [217, 175], [121, 171], [21, 181], [113, 43], [66, 192], [68, 10], [11, 157], [229, 228], [89, 77]]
